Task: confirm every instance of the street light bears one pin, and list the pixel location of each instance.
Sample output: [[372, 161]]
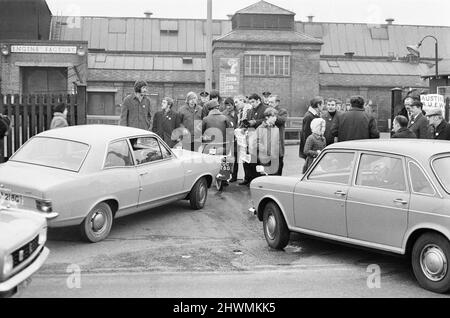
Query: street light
[[414, 50]]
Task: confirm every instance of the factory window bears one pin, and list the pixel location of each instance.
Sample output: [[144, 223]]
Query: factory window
[[255, 65], [279, 65]]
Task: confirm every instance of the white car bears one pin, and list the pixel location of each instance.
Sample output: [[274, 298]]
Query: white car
[[22, 252], [88, 175]]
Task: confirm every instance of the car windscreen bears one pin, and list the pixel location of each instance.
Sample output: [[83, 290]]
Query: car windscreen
[[52, 152], [441, 167]]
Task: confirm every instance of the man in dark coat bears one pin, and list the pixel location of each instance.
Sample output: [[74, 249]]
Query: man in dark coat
[[401, 128], [255, 119], [166, 121], [329, 117], [418, 123], [214, 126], [441, 127], [356, 123], [314, 111]]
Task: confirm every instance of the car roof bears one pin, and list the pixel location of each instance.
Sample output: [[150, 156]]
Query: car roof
[[94, 133], [414, 148]]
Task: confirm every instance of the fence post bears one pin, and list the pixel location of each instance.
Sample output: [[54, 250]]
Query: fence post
[[81, 104]]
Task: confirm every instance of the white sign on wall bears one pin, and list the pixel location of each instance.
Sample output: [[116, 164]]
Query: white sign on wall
[[432, 101], [43, 49]]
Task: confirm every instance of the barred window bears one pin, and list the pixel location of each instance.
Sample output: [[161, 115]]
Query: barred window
[[255, 65], [279, 65]]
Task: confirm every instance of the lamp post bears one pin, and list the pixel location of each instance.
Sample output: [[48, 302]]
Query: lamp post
[[414, 49], [208, 71]]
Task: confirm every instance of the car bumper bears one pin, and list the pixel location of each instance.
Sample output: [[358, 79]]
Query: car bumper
[[50, 216], [20, 277]]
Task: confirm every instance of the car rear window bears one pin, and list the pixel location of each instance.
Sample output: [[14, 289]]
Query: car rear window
[[52, 152], [441, 167]]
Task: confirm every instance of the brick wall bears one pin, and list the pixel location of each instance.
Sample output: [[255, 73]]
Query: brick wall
[[11, 64], [295, 91], [158, 91]]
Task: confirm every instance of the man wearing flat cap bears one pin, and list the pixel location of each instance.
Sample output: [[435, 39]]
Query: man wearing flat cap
[[436, 120], [135, 109]]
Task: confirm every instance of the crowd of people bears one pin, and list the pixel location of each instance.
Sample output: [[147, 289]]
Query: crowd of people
[[252, 128], [324, 124], [248, 128]]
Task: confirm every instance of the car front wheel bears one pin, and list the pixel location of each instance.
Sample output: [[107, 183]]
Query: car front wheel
[[430, 262], [198, 195], [97, 224], [275, 228]]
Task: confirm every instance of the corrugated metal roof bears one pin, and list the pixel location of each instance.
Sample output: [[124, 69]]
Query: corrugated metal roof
[[372, 67], [443, 69], [146, 35], [140, 62], [263, 7], [138, 34], [364, 80]]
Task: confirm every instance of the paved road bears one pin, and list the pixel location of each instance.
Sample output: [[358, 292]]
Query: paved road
[[219, 251]]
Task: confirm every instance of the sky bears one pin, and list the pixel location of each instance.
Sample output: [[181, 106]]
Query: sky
[[415, 12]]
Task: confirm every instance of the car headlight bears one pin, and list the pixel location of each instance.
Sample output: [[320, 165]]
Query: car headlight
[[43, 236], [8, 264], [44, 206]]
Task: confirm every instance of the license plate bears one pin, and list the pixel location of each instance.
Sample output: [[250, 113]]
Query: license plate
[[212, 151], [10, 198]]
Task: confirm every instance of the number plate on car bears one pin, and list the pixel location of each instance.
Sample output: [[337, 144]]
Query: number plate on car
[[8, 197]]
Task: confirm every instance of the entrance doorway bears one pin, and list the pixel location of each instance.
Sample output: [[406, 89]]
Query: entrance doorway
[[44, 80]]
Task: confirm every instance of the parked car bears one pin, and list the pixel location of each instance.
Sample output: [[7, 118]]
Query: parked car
[[88, 175], [390, 195], [22, 252]]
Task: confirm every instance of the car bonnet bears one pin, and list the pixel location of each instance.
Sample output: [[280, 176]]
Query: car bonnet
[[18, 227]]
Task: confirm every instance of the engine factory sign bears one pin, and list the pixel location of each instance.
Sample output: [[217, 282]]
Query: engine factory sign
[[44, 49]]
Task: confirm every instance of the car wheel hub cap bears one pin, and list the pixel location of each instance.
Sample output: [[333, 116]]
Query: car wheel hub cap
[[271, 225], [433, 262], [98, 221]]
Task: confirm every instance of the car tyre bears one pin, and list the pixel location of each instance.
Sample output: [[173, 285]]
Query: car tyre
[[97, 224], [198, 195], [275, 229], [430, 259]]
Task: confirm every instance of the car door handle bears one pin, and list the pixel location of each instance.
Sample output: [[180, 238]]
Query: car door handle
[[400, 201], [143, 173], [339, 192], [188, 171]]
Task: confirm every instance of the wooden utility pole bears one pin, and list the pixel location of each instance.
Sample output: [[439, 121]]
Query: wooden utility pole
[[208, 73]]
